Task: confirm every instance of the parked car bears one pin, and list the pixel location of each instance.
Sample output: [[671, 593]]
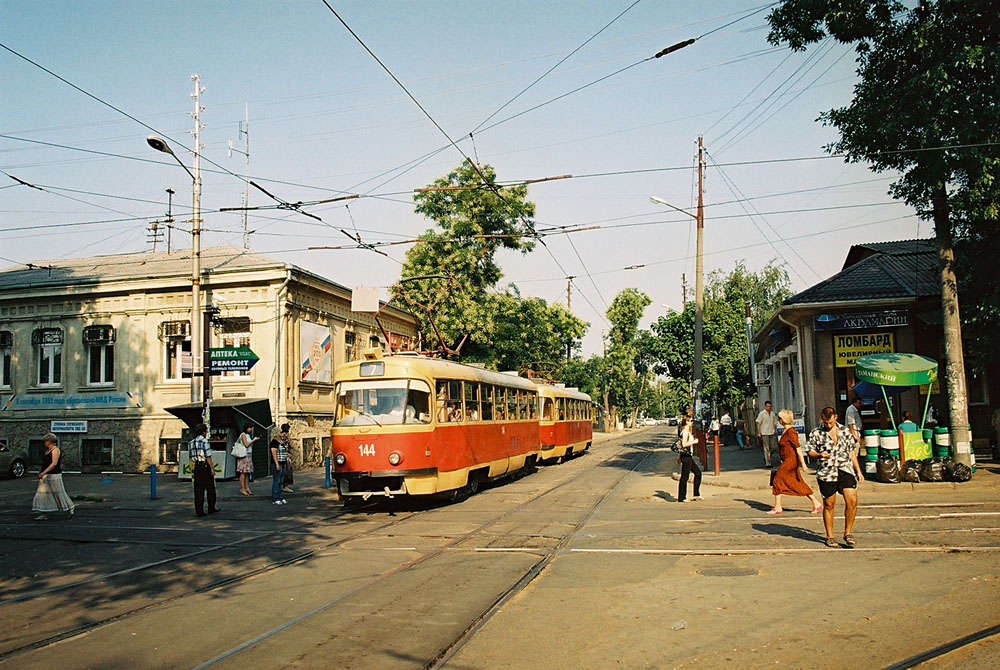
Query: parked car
[[673, 421], [649, 422], [13, 461]]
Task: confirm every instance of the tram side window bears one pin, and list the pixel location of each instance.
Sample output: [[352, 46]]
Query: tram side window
[[561, 405], [500, 404], [522, 405], [453, 402], [418, 403], [547, 409], [511, 405], [576, 410], [532, 405], [471, 401], [486, 402]]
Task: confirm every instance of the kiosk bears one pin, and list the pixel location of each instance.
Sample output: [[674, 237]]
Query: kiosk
[[228, 416]]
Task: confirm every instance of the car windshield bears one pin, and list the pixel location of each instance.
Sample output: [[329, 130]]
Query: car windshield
[[384, 402]]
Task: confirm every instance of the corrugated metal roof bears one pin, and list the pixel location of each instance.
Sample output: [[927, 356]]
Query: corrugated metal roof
[[128, 266]]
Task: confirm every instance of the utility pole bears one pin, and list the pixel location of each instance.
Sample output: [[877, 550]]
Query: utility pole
[[684, 291], [170, 216], [569, 308], [199, 358], [699, 284], [753, 370]]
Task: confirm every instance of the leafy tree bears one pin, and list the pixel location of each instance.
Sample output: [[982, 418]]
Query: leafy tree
[[624, 380], [472, 223], [926, 106], [725, 364]]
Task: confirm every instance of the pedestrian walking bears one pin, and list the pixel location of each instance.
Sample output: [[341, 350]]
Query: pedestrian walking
[[51, 496], [204, 472], [767, 426], [279, 458], [244, 464], [837, 472], [727, 428], [788, 478], [685, 450], [852, 418]]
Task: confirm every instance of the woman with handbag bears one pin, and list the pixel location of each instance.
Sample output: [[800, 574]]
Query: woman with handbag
[[787, 479], [685, 450], [243, 451]]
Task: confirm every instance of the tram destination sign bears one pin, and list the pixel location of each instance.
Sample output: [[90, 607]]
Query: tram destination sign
[[863, 321], [231, 359]]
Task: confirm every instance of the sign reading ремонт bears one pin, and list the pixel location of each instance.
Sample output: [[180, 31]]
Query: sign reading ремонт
[[231, 359]]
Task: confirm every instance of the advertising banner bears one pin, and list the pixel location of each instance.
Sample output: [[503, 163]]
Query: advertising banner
[[47, 401], [316, 356], [849, 348]]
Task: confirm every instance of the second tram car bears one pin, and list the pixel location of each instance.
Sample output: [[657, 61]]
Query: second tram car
[[565, 423], [409, 424]]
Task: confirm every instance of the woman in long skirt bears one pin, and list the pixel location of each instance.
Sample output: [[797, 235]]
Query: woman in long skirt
[[788, 478], [51, 495]]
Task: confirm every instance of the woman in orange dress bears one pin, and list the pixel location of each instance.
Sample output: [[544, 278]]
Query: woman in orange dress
[[788, 478]]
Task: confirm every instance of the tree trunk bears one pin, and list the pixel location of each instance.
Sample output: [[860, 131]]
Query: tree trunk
[[958, 412], [608, 425]]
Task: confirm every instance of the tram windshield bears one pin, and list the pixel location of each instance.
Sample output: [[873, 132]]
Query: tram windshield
[[385, 402]]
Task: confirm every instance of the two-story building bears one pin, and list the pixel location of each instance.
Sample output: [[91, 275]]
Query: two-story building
[[97, 350]]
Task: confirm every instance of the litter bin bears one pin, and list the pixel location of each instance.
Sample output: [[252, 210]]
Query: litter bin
[[889, 443], [871, 438]]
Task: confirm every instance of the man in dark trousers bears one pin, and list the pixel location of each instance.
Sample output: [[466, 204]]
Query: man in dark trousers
[[204, 473]]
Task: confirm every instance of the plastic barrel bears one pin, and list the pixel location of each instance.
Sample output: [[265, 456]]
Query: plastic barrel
[[889, 443], [942, 442], [871, 445]]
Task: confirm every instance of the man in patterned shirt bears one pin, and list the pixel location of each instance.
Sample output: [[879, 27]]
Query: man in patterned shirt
[[837, 471], [204, 472]]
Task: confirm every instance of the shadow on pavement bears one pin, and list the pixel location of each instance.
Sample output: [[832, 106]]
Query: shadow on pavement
[[755, 504], [789, 531]]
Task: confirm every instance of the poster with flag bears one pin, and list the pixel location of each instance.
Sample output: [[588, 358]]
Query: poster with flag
[[315, 343]]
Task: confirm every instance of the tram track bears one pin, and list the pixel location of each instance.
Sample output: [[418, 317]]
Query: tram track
[[298, 557]]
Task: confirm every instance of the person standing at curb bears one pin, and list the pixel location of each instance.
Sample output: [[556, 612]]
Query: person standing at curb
[[837, 472], [788, 478], [684, 448], [204, 472], [244, 465], [51, 494], [279, 457], [767, 426]]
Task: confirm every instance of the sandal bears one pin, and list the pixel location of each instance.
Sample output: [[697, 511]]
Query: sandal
[[830, 542], [775, 511], [816, 509], [849, 541]]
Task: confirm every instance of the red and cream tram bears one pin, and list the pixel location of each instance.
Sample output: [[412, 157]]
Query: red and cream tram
[[565, 423], [409, 424]]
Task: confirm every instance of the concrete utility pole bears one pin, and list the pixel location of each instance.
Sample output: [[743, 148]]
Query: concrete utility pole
[[699, 283], [199, 359]]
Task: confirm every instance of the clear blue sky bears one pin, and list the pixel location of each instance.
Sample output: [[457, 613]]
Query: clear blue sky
[[325, 119]]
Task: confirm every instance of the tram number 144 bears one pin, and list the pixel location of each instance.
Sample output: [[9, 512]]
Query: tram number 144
[[367, 449]]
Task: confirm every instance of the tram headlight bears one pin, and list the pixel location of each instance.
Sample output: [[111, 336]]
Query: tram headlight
[[395, 458], [340, 458]]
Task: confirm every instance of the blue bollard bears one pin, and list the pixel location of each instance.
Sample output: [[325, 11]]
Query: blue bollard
[[152, 482], [327, 472]]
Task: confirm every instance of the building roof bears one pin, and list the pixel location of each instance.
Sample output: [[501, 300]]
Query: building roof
[[878, 270], [95, 269]]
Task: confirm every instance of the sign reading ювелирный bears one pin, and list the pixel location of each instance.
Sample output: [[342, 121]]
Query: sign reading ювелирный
[[849, 348], [231, 359]]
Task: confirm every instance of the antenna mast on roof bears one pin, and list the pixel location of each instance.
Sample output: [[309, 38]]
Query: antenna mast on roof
[[245, 133], [155, 235]]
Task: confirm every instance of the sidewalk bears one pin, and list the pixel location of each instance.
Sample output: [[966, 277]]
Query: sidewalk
[[744, 469]]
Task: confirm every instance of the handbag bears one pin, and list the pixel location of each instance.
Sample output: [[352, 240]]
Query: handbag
[[239, 451]]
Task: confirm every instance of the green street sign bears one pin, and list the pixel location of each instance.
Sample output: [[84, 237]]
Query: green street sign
[[231, 359]]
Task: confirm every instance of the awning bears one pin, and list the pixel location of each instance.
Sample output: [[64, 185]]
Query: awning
[[228, 413], [874, 391]]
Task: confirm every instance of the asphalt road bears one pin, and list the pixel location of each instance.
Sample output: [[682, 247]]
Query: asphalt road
[[587, 564]]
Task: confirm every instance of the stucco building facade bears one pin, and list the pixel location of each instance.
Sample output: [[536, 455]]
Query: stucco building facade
[[97, 349]]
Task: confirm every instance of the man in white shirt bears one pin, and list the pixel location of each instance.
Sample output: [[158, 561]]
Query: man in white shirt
[[852, 419], [727, 427], [767, 428]]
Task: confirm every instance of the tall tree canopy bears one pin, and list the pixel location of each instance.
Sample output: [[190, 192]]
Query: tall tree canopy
[[625, 369], [453, 267], [925, 105], [725, 361]]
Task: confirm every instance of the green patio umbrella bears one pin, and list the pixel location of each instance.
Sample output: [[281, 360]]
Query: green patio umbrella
[[897, 370]]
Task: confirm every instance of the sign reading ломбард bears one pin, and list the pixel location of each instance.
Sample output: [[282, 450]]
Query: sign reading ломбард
[[849, 348]]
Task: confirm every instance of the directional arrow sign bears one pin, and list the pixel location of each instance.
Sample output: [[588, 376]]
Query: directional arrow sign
[[231, 359]]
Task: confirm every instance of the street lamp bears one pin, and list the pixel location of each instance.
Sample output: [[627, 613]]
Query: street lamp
[[160, 144]]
